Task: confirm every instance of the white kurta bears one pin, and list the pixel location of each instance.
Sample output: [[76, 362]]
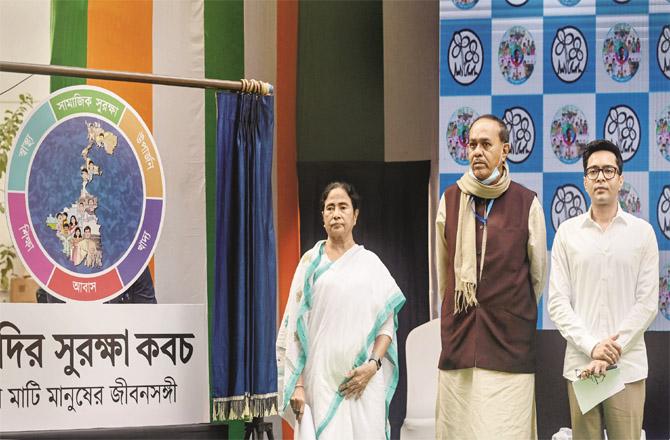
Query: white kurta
[[333, 315], [604, 282]]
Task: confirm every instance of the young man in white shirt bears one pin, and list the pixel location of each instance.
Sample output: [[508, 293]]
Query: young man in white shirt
[[603, 294]]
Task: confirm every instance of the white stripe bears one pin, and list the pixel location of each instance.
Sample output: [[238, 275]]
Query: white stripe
[[179, 130], [34, 47]]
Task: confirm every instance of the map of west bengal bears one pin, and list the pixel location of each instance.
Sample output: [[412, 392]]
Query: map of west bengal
[[77, 226]]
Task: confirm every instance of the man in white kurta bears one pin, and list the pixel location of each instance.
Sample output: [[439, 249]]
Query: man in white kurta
[[603, 294]]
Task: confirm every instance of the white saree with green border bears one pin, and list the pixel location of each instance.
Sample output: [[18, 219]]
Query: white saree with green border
[[334, 313]]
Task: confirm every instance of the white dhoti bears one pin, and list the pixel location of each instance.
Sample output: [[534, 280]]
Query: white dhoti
[[474, 403]]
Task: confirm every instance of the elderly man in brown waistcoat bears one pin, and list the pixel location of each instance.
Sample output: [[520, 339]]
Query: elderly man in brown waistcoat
[[491, 257]]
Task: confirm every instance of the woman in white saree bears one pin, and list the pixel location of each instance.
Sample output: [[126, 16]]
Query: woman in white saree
[[336, 347]]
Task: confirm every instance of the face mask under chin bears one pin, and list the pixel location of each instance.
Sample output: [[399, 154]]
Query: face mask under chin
[[489, 180]]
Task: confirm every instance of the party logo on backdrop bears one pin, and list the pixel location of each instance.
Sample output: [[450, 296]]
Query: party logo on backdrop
[[516, 55], [663, 211], [621, 52], [458, 133], [663, 51], [569, 133], [569, 54], [466, 57], [521, 133], [569, 2], [663, 132], [629, 200], [568, 201], [465, 4], [517, 2], [664, 292], [85, 194], [622, 128]]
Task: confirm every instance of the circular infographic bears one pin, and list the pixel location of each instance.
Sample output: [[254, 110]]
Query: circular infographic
[[629, 200], [568, 201], [458, 133], [516, 55], [664, 292], [85, 194], [569, 133], [621, 52], [465, 4], [662, 133]]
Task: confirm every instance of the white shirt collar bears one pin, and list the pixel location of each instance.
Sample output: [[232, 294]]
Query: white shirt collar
[[620, 216]]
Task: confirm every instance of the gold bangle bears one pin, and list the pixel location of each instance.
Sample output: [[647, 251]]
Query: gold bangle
[[299, 385]]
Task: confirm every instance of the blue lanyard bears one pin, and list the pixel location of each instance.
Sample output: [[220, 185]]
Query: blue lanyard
[[484, 219]]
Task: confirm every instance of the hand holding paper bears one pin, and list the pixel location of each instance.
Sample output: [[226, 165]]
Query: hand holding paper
[[595, 389]]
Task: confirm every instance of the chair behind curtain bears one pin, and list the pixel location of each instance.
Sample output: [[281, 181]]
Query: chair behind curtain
[[244, 371]]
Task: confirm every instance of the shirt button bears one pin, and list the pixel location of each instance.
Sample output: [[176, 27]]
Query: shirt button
[[481, 226]]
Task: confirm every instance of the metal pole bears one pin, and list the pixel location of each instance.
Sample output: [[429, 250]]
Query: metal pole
[[115, 75]]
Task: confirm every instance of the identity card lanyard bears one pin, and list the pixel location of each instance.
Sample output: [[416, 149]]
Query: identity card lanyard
[[484, 221]]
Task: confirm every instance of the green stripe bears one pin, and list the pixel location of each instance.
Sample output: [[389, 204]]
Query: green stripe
[[340, 102], [224, 59], [69, 38], [312, 274]]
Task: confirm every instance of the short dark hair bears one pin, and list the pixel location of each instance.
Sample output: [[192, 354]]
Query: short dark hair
[[602, 145], [87, 228], [503, 134], [348, 187]]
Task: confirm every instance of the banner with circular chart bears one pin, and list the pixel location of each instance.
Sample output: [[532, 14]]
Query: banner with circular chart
[[561, 73], [85, 194]]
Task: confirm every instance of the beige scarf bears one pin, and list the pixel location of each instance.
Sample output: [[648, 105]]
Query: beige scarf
[[465, 260]]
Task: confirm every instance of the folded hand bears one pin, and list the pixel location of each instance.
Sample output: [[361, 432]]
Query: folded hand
[[357, 380], [607, 350]]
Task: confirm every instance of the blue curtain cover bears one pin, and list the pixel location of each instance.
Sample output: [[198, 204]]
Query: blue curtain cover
[[244, 371]]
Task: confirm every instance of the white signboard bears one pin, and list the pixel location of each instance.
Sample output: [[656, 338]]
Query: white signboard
[[77, 366]]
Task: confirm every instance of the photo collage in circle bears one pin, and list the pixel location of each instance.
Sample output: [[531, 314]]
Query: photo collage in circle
[[516, 55], [569, 134], [662, 134], [621, 52], [465, 4], [458, 133]]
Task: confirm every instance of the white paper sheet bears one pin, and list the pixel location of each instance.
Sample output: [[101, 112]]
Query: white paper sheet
[[589, 393]]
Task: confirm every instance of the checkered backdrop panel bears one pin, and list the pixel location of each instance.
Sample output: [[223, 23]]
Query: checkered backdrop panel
[[561, 73]]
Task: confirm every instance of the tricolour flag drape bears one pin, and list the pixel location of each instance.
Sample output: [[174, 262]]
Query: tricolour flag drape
[[167, 38]]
